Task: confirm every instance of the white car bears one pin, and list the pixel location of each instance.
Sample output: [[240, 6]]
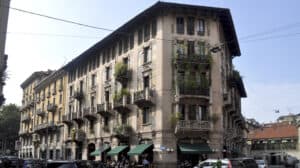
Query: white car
[[261, 163], [211, 163]]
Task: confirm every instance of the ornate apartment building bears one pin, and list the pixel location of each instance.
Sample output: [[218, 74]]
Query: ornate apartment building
[[4, 10], [28, 112], [162, 86]]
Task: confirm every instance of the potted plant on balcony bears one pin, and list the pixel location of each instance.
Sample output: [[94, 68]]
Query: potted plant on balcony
[[121, 71], [122, 130], [119, 95]]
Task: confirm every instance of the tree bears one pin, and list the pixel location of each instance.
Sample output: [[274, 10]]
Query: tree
[[9, 126]]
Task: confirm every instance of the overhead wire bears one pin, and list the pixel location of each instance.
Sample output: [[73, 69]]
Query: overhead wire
[[277, 29]]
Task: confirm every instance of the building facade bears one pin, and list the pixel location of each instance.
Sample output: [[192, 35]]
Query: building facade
[[161, 84], [28, 113], [4, 10], [49, 109], [275, 142]]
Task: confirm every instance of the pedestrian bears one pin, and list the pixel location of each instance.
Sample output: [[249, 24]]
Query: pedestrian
[[146, 163]]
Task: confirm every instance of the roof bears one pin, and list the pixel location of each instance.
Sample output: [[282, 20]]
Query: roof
[[34, 76], [274, 131], [223, 14], [49, 79]]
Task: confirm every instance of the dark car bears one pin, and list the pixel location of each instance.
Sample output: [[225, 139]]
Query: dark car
[[33, 163], [11, 162], [243, 163], [62, 164]]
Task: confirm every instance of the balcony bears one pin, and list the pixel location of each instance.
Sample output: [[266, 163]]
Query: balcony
[[25, 118], [104, 109], [144, 98], [24, 132], [182, 60], [77, 117], [51, 108], [121, 104], [35, 138], [66, 118], [122, 131], [77, 135], [45, 127], [90, 113], [40, 112], [191, 126], [78, 95], [31, 103]]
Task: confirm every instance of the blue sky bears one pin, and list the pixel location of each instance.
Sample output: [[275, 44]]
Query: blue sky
[[269, 64]]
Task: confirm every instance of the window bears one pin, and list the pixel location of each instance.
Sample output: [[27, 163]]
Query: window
[[103, 58], [53, 101], [107, 73], [60, 99], [58, 137], [146, 32], [92, 101], [201, 29], [91, 125], [131, 41], [81, 86], [120, 47], [147, 55], [180, 48], [125, 61], [106, 121], [98, 60], [191, 48], [107, 96], [191, 26], [125, 44], [113, 51], [180, 25], [192, 112], [146, 82], [182, 111], [54, 87], [203, 113], [201, 48], [140, 36], [59, 115], [124, 118], [153, 28], [93, 80], [146, 115]]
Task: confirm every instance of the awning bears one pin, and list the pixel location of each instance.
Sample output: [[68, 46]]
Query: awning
[[99, 151], [139, 149], [195, 148], [116, 150]]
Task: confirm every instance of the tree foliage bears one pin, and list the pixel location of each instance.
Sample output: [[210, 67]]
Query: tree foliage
[[9, 121]]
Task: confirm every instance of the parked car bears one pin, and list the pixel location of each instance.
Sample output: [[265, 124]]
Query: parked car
[[261, 163], [243, 163], [211, 163], [61, 164], [11, 162], [33, 163]]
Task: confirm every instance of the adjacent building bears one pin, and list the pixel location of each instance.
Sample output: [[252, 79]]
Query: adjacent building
[[28, 112], [275, 142], [162, 86], [4, 10]]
